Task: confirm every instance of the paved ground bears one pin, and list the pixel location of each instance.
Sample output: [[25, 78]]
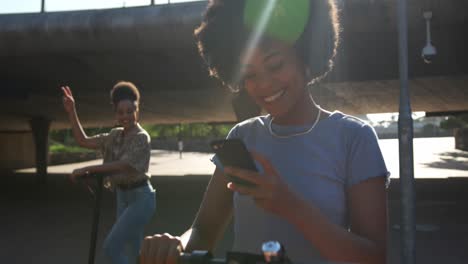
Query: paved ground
[[433, 158], [51, 223]]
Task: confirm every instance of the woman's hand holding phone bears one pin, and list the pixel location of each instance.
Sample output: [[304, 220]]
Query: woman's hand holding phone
[[233, 153], [268, 189]]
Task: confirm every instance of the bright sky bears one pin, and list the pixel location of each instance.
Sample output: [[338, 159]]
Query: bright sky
[[23, 6], [388, 116]]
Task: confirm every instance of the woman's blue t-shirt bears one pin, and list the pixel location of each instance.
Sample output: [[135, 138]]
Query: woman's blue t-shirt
[[340, 151]]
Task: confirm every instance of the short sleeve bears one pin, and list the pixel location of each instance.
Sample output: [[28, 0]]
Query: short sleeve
[[365, 159], [138, 153], [101, 140]]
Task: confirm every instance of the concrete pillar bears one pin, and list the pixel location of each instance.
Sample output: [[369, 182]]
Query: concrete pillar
[[15, 150], [40, 130]]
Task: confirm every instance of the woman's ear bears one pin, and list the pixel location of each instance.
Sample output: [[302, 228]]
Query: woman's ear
[[137, 106], [137, 112]]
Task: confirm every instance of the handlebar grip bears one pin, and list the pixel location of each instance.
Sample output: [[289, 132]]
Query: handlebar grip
[[92, 176], [196, 257], [205, 257]]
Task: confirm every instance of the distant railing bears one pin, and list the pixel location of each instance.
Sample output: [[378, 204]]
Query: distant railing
[[124, 3]]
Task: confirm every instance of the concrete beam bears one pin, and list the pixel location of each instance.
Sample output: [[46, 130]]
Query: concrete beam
[[138, 28]]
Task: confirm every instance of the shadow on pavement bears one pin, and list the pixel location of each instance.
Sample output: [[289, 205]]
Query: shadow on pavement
[[451, 161], [51, 223]]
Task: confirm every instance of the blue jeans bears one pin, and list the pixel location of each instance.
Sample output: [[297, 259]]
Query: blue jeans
[[135, 209]]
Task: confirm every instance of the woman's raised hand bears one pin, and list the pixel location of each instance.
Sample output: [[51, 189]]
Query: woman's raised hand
[[68, 100]]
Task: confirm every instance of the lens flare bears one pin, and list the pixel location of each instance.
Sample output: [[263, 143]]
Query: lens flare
[[283, 20]]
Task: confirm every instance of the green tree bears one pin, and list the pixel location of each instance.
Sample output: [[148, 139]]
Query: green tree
[[188, 130], [453, 122]]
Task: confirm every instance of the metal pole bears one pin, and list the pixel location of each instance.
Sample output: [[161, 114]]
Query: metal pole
[[95, 226], [152, 2], [405, 137], [42, 6]]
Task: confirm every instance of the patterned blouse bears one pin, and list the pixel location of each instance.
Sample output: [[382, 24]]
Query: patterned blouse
[[134, 148]]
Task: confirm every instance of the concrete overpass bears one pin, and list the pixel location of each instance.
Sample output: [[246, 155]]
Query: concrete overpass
[[154, 47]]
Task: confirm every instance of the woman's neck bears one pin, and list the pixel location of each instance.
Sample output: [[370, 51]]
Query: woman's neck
[[127, 131]]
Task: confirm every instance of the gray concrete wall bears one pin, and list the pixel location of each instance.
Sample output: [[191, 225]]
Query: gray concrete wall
[[461, 139]]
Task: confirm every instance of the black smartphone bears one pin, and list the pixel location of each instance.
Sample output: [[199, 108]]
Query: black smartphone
[[233, 153]]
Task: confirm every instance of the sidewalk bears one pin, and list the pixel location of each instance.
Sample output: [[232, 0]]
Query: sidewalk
[[162, 163], [433, 158]]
